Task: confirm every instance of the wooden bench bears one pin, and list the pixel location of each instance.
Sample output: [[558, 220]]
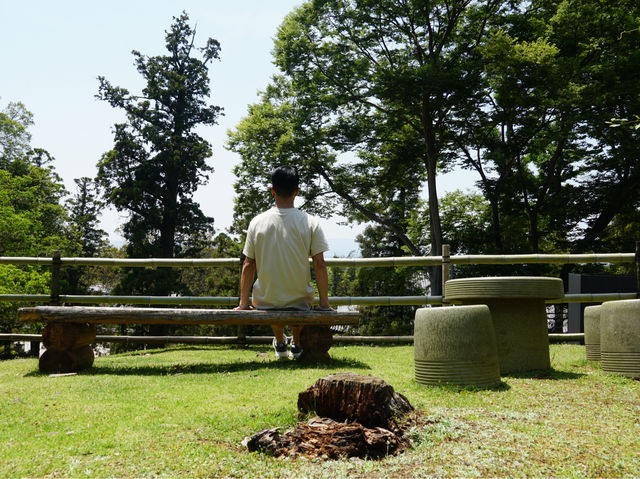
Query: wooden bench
[[70, 330]]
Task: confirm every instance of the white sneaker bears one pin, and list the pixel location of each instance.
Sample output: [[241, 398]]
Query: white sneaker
[[295, 352], [280, 349]]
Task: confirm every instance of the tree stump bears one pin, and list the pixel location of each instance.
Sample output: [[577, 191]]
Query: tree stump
[[354, 398], [315, 342], [362, 420]]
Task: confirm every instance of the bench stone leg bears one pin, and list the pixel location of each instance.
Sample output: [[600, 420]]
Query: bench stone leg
[[315, 342], [68, 347]]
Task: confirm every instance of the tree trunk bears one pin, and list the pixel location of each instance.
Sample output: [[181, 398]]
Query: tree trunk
[[435, 226]]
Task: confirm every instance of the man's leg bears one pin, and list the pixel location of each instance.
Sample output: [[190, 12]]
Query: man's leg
[[279, 341], [295, 351], [278, 332]]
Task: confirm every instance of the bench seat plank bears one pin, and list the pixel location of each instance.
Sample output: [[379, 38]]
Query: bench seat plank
[[128, 315]]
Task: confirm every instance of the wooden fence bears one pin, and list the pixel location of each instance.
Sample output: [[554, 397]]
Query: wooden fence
[[56, 262]]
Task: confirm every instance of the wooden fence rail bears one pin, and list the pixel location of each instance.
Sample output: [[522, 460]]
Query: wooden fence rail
[[232, 301], [56, 262], [344, 262]]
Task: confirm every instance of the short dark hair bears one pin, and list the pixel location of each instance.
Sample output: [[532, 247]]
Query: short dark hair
[[284, 180]]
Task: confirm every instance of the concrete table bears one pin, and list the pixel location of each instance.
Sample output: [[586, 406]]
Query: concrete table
[[518, 312]]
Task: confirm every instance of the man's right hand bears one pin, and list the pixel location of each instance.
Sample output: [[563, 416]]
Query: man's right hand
[[324, 308]]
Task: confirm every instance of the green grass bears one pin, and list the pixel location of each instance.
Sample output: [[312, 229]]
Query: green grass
[[184, 411]]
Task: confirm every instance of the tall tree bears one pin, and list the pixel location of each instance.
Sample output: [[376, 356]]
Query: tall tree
[[369, 92], [158, 160], [84, 210]]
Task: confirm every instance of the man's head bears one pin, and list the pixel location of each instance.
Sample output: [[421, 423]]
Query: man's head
[[284, 181]]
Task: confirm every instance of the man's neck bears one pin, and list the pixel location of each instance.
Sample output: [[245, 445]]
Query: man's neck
[[284, 204]]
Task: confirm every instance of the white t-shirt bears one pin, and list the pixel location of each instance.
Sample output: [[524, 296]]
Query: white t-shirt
[[281, 240]]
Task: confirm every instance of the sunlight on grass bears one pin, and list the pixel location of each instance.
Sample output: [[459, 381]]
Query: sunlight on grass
[[185, 410]]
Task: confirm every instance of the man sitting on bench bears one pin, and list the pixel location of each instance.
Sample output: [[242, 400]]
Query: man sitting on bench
[[278, 246]]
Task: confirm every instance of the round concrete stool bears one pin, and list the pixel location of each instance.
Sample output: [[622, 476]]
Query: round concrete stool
[[592, 332], [455, 345], [518, 311], [620, 337]]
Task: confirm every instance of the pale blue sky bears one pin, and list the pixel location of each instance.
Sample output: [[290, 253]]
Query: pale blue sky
[[52, 52]]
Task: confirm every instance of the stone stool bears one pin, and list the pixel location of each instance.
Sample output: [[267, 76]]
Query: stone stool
[[592, 332], [620, 337], [455, 345], [519, 315]]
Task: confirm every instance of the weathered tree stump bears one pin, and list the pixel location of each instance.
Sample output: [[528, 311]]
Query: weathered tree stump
[[354, 398], [315, 342], [364, 418]]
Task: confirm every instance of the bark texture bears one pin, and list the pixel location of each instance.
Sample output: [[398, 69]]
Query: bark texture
[[348, 397]]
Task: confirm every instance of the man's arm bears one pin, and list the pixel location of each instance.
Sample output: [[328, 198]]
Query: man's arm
[[322, 280], [246, 282]]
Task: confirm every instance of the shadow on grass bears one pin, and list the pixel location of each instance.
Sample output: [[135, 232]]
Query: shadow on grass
[[210, 368], [551, 374], [198, 347], [500, 387], [216, 368]]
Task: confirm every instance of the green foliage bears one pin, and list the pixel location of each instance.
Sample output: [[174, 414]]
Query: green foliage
[[84, 210], [102, 279], [366, 105], [15, 138], [386, 320], [216, 281], [550, 169], [158, 160], [19, 280], [33, 221]]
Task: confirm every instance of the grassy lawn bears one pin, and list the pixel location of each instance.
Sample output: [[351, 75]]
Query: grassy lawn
[[184, 411]]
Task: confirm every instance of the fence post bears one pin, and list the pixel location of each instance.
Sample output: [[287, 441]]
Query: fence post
[[638, 269], [241, 331], [55, 279], [446, 264]]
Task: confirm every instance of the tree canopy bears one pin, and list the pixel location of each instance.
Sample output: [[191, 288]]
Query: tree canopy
[[367, 102], [374, 98]]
